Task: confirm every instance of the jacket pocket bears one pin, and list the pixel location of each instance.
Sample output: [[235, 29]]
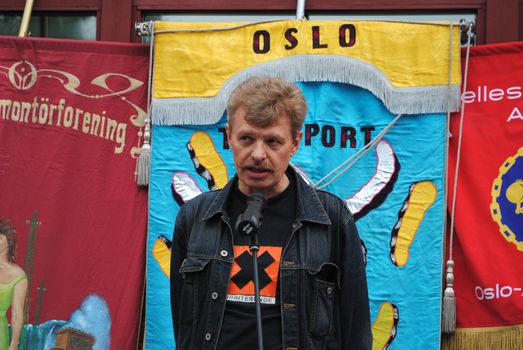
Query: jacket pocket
[[193, 264], [325, 281], [193, 275]]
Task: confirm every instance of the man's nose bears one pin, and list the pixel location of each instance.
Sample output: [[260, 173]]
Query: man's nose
[[258, 152]]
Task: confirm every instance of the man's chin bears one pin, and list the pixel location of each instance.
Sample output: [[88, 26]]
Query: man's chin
[[249, 187]]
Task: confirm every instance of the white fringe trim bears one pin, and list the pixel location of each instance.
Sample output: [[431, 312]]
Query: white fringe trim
[[310, 68]]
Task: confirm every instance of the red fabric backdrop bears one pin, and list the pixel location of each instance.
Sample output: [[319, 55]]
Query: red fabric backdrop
[[489, 263], [71, 119]]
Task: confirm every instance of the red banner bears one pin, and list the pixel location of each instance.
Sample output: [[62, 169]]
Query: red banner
[[488, 242], [71, 123]]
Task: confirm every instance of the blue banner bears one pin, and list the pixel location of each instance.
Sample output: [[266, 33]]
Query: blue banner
[[395, 191]]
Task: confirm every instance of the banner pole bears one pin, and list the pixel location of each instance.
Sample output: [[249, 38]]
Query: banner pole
[[28, 9], [300, 9]]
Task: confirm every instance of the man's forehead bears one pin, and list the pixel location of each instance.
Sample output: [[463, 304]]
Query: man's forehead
[[280, 124], [276, 129], [243, 115]]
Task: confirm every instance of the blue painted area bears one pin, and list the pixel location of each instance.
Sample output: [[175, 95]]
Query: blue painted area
[[92, 317], [334, 109]]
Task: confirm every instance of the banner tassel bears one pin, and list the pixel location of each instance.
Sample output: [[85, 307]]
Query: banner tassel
[[448, 325], [144, 161]]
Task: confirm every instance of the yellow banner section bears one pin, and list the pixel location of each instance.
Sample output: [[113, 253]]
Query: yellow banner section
[[194, 60]]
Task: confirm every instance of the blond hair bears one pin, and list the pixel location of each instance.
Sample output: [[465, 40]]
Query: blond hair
[[265, 99]]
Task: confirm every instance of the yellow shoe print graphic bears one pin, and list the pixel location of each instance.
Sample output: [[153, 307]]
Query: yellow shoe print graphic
[[420, 198], [385, 326], [162, 254], [207, 161]]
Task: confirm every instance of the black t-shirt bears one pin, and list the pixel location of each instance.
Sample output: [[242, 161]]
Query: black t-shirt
[[238, 329]]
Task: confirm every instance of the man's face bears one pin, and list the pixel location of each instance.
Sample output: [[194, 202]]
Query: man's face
[[261, 154]]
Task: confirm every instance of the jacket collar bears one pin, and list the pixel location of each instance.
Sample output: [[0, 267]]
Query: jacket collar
[[308, 205]]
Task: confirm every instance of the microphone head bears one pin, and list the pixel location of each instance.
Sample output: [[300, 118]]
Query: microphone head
[[249, 222]]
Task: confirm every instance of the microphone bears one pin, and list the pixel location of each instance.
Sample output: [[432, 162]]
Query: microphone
[[249, 222]]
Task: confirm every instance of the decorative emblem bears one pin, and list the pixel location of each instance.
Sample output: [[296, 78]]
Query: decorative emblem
[[22, 75], [507, 199]]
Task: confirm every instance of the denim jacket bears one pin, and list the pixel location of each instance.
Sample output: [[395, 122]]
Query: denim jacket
[[323, 287]]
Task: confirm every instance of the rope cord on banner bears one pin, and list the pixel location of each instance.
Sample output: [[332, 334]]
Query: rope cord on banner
[[144, 160], [448, 307], [448, 324], [447, 131], [462, 114], [242, 25], [150, 80], [347, 164]]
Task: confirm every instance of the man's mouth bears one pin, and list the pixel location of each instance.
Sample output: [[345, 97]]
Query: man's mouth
[[257, 170]]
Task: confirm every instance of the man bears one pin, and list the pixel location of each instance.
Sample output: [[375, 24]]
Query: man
[[313, 287]]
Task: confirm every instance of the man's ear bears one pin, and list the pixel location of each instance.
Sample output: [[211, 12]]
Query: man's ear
[[228, 133], [296, 143]]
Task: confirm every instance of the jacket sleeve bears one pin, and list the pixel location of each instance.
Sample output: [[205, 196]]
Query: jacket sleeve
[[178, 254], [355, 315]]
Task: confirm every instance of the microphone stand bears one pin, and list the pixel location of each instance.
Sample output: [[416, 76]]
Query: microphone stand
[[248, 224], [254, 248]]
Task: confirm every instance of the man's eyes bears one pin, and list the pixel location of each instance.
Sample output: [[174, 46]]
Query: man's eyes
[[250, 139], [245, 138]]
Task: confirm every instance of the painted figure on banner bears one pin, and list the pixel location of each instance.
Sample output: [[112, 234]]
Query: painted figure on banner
[[13, 288], [312, 279]]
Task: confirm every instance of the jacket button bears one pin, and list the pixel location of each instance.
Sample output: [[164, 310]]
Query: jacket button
[[224, 253], [214, 295], [208, 336], [329, 290]]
